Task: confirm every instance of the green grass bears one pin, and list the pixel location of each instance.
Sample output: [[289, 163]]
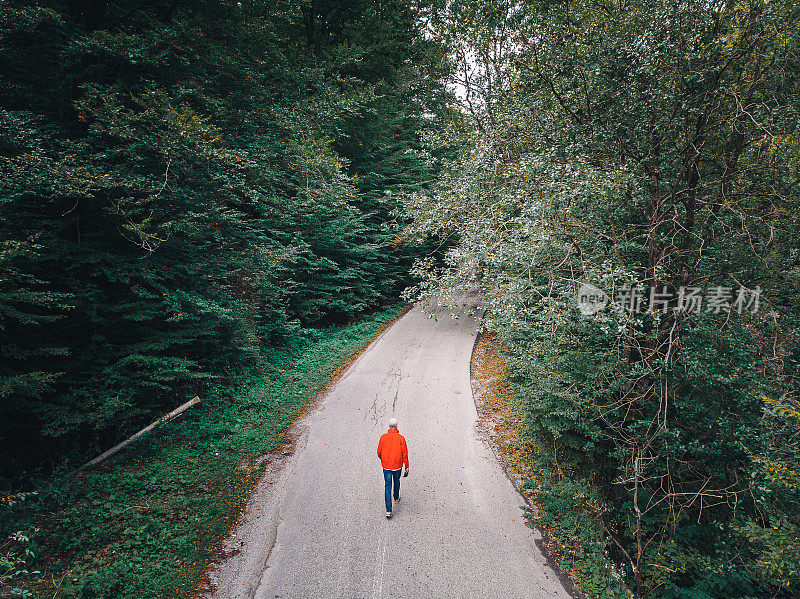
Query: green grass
[[147, 522]]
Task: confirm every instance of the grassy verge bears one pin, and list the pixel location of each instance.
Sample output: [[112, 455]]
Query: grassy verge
[[562, 508], [147, 522]]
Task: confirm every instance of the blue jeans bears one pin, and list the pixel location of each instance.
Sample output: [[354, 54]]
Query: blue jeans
[[388, 477]]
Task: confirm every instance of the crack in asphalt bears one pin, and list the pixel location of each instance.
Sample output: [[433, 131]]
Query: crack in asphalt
[[257, 577], [374, 409], [316, 527]]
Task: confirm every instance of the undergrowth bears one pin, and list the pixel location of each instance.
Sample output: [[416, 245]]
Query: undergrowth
[[147, 522], [563, 508], [567, 515]]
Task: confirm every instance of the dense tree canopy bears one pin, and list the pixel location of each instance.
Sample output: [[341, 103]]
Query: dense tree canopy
[[649, 149], [186, 183]]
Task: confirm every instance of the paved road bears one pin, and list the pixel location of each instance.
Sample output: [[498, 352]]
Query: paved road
[[315, 527]]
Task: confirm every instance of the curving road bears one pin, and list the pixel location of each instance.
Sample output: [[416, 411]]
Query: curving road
[[315, 527]]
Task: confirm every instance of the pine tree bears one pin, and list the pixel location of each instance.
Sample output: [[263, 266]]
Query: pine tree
[[182, 181]]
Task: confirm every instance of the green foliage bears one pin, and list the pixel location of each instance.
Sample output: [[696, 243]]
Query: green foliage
[[147, 522], [186, 186], [15, 554], [652, 144], [569, 515]]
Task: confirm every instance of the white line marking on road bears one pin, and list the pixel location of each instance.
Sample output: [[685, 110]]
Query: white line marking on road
[[382, 561]]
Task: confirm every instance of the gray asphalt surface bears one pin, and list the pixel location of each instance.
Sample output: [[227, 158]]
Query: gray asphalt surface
[[315, 526]]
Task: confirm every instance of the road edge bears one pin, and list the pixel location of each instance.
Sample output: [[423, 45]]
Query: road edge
[[273, 463], [482, 427]]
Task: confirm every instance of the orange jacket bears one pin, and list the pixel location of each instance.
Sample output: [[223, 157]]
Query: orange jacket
[[392, 450]]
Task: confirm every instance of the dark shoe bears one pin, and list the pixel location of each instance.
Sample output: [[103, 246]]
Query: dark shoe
[[388, 514]]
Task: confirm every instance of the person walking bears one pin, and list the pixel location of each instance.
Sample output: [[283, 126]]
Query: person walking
[[393, 453]]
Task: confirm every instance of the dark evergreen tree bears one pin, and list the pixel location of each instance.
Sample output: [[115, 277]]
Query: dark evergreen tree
[[184, 184]]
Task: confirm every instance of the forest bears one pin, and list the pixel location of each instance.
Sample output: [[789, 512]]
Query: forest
[[651, 151], [189, 191], [174, 202], [226, 199]]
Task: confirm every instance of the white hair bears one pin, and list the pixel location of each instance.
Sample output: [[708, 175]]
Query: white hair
[[393, 423]]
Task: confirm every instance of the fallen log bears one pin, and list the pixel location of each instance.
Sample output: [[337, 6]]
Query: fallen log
[[120, 446]]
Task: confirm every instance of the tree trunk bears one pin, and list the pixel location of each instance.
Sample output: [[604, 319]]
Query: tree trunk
[[120, 446]]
